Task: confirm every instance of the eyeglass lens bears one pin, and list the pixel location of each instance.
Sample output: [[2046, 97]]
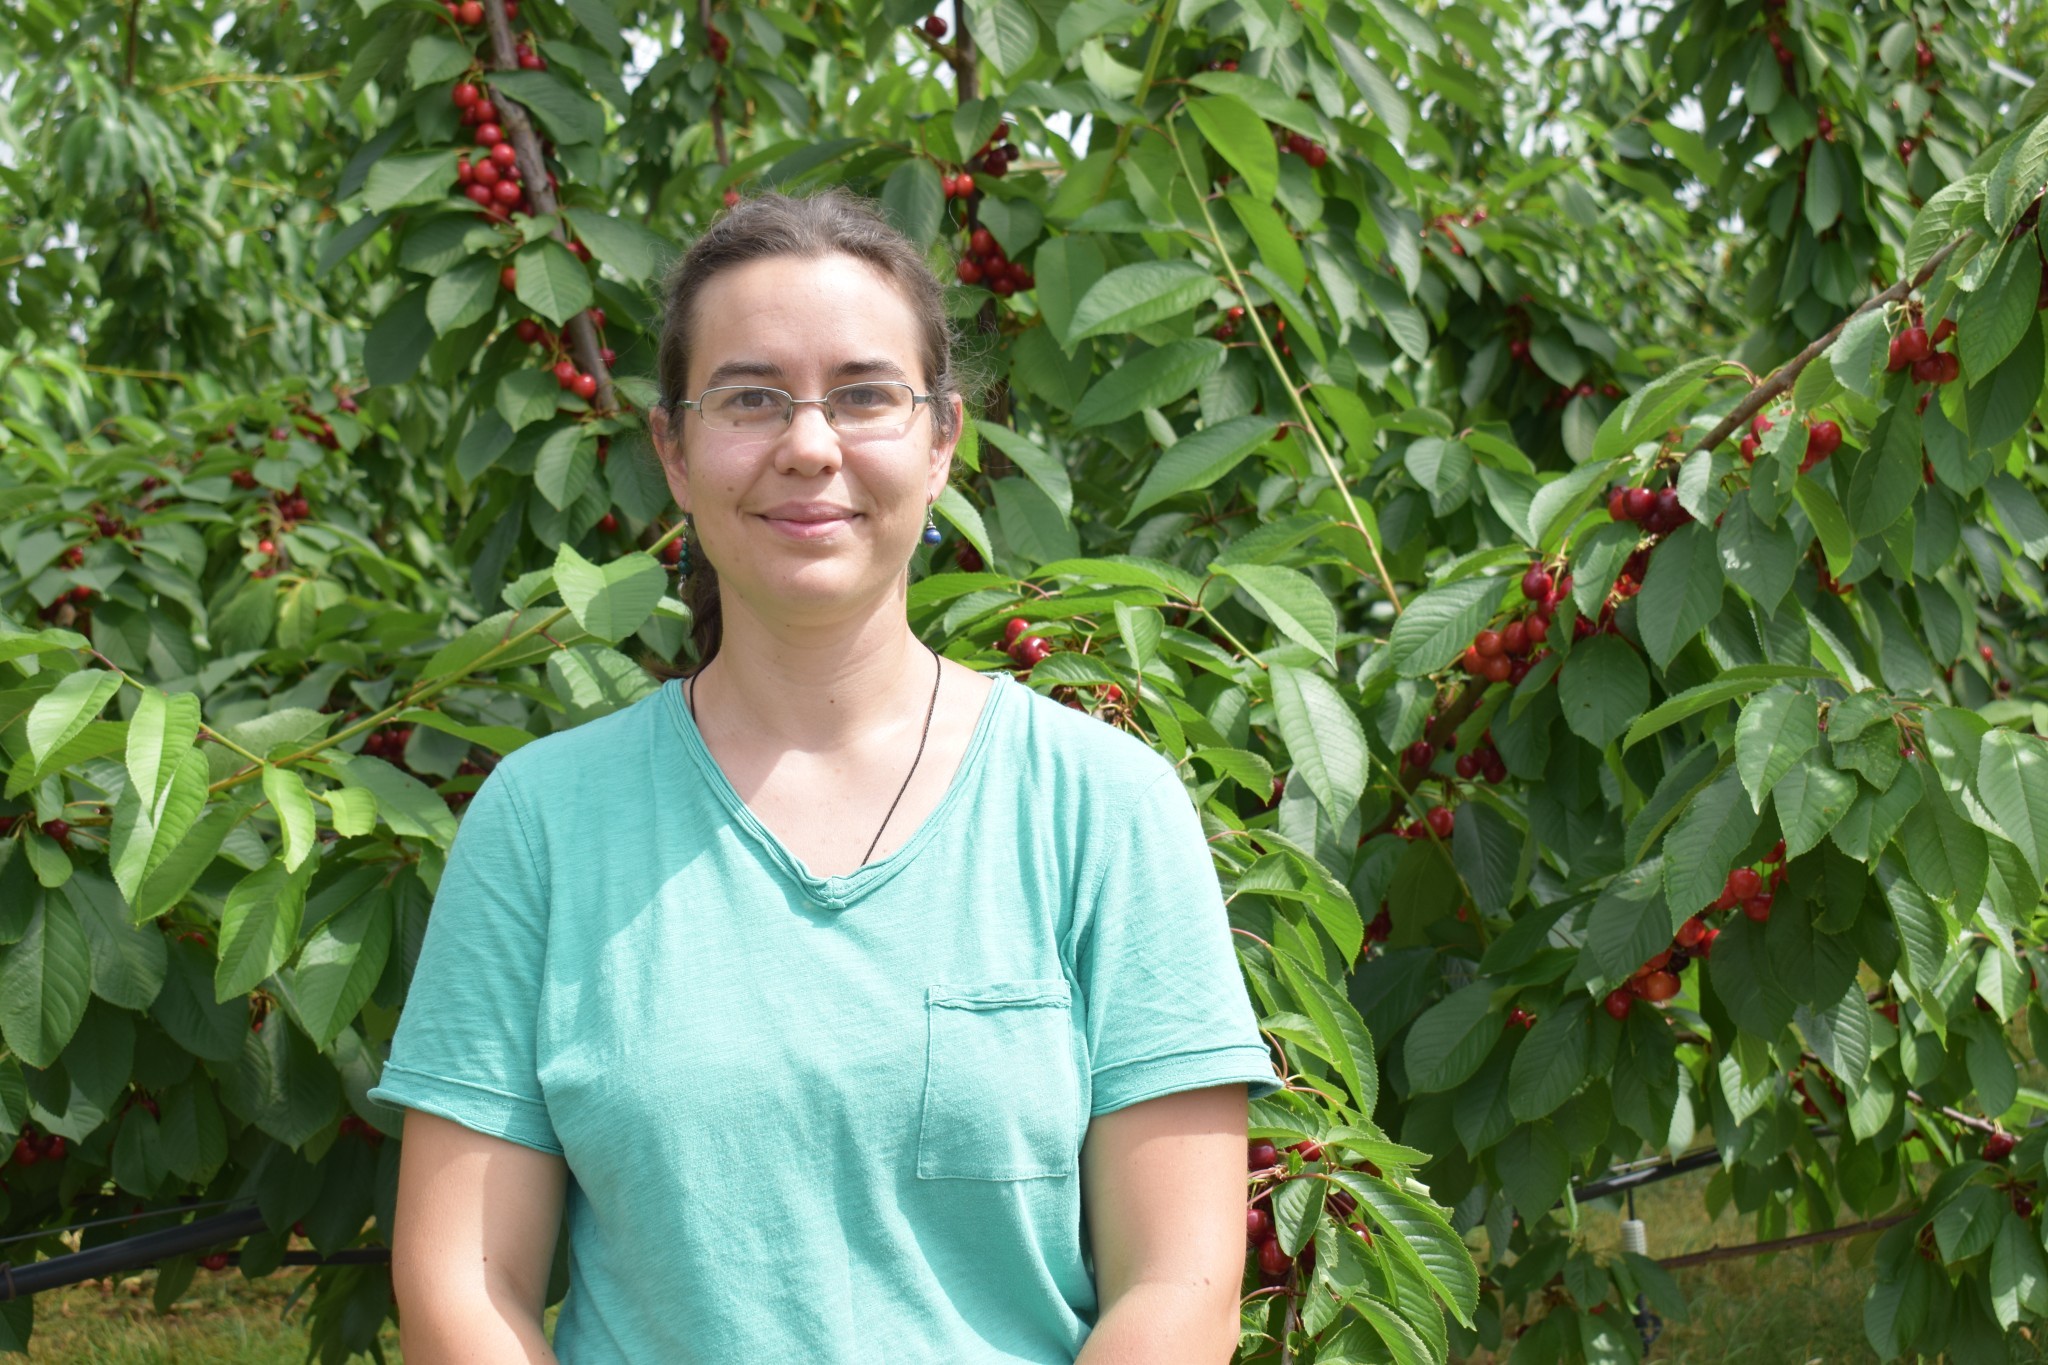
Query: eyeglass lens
[[850, 407]]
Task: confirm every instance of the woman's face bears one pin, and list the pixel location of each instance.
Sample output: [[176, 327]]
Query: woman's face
[[806, 519]]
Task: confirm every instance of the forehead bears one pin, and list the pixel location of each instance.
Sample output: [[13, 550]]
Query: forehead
[[796, 317]]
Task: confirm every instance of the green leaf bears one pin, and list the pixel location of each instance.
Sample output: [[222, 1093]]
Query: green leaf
[[1631, 920], [1421, 1236], [565, 464], [1886, 475], [1270, 234], [1241, 138], [127, 959], [613, 601], [2012, 782], [415, 178], [1681, 593], [1297, 1208], [1534, 1168], [1922, 929], [552, 283], [1200, 458], [163, 727], [1761, 560], [1823, 187], [569, 115], [1944, 851], [1994, 319], [1153, 380], [66, 709], [353, 810], [433, 59], [147, 830], [2019, 1273], [1131, 296], [1736, 682], [527, 396], [1324, 740], [1437, 626], [286, 792], [1648, 411], [1774, 732], [1704, 841], [915, 201], [408, 805], [1552, 1062], [1345, 1038], [1048, 471], [636, 253], [2019, 513], [259, 927], [1005, 31], [1450, 1039], [1487, 851], [399, 340], [1837, 542], [1968, 1223], [45, 980], [462, 295], [1291, 600], [1602, 687], [339, 967]]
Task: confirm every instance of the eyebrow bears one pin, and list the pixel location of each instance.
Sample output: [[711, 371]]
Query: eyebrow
[[872, 367]]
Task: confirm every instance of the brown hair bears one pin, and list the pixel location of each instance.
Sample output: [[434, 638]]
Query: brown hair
[[834, 221]]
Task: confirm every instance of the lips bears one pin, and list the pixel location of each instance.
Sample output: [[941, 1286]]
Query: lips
[[808, 520]]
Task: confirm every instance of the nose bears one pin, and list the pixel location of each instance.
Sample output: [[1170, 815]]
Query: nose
[[809, 445]]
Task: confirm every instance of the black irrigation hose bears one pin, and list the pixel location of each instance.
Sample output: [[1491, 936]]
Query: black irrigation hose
[[1619, 1179], [130, 1253]]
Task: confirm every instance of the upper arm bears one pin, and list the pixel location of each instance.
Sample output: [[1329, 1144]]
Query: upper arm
[[1163, 1187], [477, 1218]]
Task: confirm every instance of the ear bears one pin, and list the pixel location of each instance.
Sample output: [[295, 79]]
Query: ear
[[668, 447], [942, 450]]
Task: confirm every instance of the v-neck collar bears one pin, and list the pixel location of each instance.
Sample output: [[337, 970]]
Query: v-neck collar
[[837, 893]]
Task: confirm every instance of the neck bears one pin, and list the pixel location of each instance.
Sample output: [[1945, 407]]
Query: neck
[[814, 686]]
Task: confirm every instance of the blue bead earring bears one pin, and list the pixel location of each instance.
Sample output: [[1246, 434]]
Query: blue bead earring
[[931, 528], [683, 564]]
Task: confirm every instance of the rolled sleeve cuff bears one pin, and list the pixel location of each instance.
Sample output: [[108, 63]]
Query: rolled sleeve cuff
[[1127, 1083], [497, 1113]]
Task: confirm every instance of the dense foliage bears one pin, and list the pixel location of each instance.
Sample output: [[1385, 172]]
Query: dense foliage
[[1607, 677]]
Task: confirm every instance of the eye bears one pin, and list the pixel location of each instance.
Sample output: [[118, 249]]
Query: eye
[[865, 396], [751, 400]]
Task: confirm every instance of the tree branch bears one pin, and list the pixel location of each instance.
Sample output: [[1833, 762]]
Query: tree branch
[[134, 15], [533, 172], [717, 92], [1785, 375]]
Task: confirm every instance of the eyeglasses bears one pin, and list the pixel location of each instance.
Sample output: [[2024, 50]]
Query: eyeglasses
[[876, 405]]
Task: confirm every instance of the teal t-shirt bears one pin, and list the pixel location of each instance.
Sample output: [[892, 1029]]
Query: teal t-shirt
[[833, 1120]]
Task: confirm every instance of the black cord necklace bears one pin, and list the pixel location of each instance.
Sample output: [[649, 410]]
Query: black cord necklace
[[931, 707]]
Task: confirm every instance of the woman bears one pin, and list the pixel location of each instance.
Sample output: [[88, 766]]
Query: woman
[[881, 1010]]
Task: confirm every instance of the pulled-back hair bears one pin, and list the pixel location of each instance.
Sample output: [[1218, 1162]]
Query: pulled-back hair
[[833, 222]]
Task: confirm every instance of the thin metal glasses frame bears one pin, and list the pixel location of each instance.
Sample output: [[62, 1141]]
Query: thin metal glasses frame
[[792, 403]]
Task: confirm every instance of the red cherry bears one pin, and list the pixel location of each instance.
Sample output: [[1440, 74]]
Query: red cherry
[[489, 135], [1777, 853], [465, 95], [1014, 627], [982, 242], [1310, 1149], [565, 372], [935, 26], [1258, 1224], [608, 523], [1913, 344], [1758, 907], [470, 13], [219, 1259], [528, 331], [504, 156], [506, 192], [1420, 753], [481, 193], [1488, 643], [1261, 1154], [1998, 1145], [1743, 883], [1442, 820], [1272, 1259], [1617, 505], [1498, 668], [1618, 1004], [1660, 986], [1536, 583], [966, 184], [484, 111], [1641, 502], [968, 272], [584, 386], [732, 198], [1943, 330]]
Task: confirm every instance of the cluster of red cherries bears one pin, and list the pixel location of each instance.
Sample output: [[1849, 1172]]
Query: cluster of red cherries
[[32, 1147], [994, 159], [987, 264], [1823, 438], [1262, 1242], [1914, 349], [1657, 980], [1507, 653]]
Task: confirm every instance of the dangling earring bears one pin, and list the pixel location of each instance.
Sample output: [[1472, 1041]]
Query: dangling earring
[[683, 563], [931, 527]]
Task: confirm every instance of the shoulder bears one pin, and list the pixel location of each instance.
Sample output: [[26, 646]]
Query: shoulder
[[598, 749]]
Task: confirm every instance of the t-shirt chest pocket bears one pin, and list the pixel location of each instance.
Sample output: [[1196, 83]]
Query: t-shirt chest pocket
[[1002, 1099]]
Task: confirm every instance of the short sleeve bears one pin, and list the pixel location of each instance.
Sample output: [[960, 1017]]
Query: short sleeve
[[465, 1044], [1167, 1008]]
